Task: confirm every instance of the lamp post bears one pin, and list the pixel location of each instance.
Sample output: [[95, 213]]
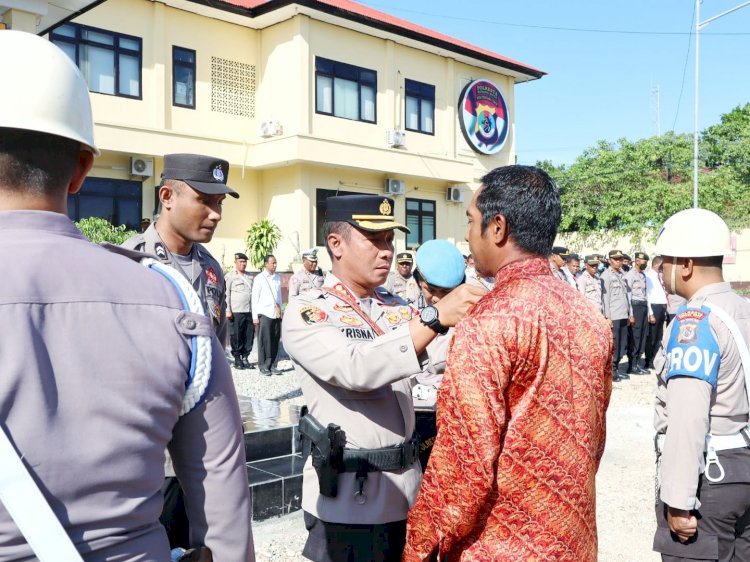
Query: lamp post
[[698, 26]]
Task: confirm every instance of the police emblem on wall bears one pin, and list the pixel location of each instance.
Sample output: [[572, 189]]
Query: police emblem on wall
[[483, 116]]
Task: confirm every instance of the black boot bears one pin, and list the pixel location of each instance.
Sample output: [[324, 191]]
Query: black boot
[[239, 363], [245, 362], [616, 377]]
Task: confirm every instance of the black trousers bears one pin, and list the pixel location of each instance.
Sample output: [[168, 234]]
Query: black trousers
[[347, 542], [620, 337], [637, 333], [269, 335], [241, 333], [655, 332], [173, 515]]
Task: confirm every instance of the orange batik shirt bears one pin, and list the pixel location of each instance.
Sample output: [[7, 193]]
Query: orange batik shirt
[[521, 427]]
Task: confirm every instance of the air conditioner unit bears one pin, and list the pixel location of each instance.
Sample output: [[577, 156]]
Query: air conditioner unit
[[454, 195], [395, 187], [270, 129], [396, 139], [140, 166]]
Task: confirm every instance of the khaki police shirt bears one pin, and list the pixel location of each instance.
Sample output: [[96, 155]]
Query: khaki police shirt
[[616, 295], [402, 287], [95, 353], [303, 281], [686, 408], [636, 281], [239, 291], [591, 287], [354, 378]]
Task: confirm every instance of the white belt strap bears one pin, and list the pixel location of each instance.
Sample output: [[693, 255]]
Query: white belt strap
[[26, 505]]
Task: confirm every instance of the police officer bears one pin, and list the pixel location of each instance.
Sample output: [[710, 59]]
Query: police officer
[[617, 309], [642, 313], [309, 277], [96, 353], [354, 347], [239, 313], [192, 191], [401, 282], [590, 284], [557, 261], [702, 407]]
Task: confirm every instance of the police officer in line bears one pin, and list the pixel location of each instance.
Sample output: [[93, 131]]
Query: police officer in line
[[401, 282], [590, 284], [192, 191], [355, 347], [309, 277], [557, 262], [702, 406], [96, 352], [239, 313], [571, 269], [642, 313], [617, 309]]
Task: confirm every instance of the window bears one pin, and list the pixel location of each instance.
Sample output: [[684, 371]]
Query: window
[[183, 77], [420, 218], [343, 90], [118, 201], [320, 211], [110, 62], [420, 107]]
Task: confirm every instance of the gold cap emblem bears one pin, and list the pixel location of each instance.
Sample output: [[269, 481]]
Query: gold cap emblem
[[385, 207]]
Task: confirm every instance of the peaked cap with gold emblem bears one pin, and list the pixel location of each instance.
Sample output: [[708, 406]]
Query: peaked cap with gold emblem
[[372, 213]]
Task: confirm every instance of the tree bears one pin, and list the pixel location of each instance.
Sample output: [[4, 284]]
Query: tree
[[101, 230], [262, 238]]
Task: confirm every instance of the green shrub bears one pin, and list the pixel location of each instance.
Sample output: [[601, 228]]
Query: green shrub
[[101, 230]]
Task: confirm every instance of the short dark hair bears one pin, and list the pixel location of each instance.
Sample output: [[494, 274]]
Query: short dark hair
[[343, 229], [656, 260], [530, 202], [36, 163], [267, 258]]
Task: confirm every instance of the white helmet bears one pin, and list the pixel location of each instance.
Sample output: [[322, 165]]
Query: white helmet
[[43, 89], [694, 233]]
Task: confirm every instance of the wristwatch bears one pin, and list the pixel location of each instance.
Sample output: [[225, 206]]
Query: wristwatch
[[430, 318]]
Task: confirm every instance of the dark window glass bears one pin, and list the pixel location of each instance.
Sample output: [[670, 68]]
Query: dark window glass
[[420, 107], [420, 218], [110, 62], [118, 201], [344, 90], [183, 77], [320, 211]]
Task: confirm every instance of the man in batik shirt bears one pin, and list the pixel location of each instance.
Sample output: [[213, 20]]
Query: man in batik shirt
[[521, 410]]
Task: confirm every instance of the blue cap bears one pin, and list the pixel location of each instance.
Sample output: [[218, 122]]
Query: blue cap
[[441, 264]]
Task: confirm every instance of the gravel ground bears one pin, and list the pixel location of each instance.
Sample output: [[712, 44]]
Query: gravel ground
[[625, 482]]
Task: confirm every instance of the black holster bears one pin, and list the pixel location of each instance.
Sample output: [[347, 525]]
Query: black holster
[[326, 445]]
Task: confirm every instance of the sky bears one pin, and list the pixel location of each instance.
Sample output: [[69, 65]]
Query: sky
[[606, 60]]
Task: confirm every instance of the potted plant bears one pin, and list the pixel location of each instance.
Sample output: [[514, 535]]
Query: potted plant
[[262, 238]]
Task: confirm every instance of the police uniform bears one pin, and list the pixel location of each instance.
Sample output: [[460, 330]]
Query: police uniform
[[701, 388], [563, 253], [304, 280], [354, 359], [241, 327], [617, 308], [636, 280], [591, 285], [403, 287]]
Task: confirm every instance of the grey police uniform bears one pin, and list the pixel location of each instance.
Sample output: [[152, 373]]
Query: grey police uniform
[[303, 281], [205, 274], [636, 281], [591, 288], [701, 389], [352, 377], [617, 308], [402, 287], [95, 355], [239, 297]]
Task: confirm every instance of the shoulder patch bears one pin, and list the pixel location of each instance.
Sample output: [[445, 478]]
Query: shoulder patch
[[312, 315], [692, 350], [212, 277]]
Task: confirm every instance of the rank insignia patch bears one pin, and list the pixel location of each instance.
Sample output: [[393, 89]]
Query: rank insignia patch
[[351, 320]]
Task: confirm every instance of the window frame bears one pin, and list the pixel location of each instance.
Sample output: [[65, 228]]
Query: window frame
[[114, 189], [192, 66], [346, 71], [420, 213], [423, 94], [78, 40]]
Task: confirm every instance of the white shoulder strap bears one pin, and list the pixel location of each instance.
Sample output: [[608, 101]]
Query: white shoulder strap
[[739, 340], [200, 363], [32, 514]]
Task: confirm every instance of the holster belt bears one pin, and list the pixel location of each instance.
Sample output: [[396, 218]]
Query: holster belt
[[725, 442], [375, 460]]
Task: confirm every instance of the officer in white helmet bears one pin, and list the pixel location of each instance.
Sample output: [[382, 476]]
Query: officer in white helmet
[[701, 417], [97, 352]]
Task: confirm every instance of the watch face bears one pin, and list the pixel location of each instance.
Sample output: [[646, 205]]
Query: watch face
[[428, 314]]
